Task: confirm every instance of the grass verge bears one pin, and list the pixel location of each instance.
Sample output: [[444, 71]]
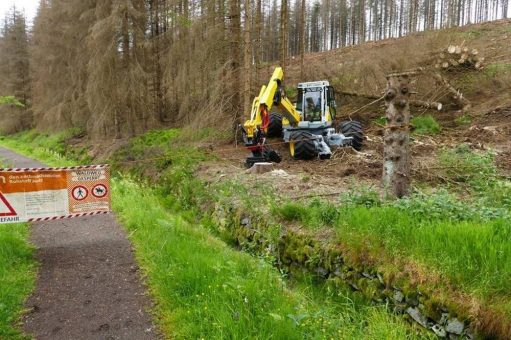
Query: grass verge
[[205, 289], [17, 276]]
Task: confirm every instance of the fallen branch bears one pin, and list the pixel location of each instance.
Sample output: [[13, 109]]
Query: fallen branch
[[456, 95], [419, 103]]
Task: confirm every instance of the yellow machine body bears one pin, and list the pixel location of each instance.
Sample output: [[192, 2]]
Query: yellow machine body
[[265, 101]]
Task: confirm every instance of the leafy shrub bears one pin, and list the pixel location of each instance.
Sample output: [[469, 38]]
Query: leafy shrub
[[362, 196], [291, 93], [323, 213], [442, 205], [426, 125], [10, 100]]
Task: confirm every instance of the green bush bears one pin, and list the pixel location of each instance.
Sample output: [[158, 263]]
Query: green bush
[[426, 125], [291, 93], [441, 205]]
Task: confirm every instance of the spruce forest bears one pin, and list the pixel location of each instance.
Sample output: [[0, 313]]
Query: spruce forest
[[119, 68], [255, 169]]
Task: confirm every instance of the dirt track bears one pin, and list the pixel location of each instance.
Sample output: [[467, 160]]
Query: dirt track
[[88, 284]]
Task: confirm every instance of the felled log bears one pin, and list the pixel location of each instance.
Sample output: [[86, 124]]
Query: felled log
[[416, 103], [455, 94]]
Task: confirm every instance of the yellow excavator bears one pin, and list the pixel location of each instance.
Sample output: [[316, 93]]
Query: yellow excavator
[[308, 126]]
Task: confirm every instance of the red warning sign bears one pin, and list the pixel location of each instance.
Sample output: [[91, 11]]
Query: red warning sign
[[52, 193], [5, 205]]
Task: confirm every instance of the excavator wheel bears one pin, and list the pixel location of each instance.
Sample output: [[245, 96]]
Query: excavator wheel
[[271, 155], [301, 145], [275, 127], [352, 128]]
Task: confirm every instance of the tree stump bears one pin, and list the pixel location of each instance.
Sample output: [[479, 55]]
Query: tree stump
[[396, 164], [260, 168]]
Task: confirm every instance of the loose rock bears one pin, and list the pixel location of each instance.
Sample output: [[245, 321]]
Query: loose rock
[[455, 326], [398, 296], [439, 331], [417, 316]]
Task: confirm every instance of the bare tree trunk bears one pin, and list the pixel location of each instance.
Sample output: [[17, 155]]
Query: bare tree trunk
[[362, 22], [343, 16], [247, 58], [258, 45], [234, 12], [418, 103], [302, 39], [396, 166], [283, 34]]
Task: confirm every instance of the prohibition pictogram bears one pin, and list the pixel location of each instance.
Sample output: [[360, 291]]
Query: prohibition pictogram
[[99, 191], [80, 193]]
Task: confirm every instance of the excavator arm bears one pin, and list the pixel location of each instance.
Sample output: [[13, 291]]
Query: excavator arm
[[271, 95]]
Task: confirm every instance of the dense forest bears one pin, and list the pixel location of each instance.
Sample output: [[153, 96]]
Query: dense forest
[[116, 68]]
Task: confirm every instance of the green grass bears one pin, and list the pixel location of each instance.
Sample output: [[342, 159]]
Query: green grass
[[204, 288], [465, 240], [475, 256], [380, 121], [17, 277], [207, 290], [464, 119], [496, 69], [50, 147], [425, 125]]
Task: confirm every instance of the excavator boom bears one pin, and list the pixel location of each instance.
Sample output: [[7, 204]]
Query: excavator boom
[[270, 95]]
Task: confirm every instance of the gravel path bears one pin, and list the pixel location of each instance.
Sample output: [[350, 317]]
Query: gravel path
[[88, 284]]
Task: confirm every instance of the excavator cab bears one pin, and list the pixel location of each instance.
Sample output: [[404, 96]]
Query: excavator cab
[[316, 101]]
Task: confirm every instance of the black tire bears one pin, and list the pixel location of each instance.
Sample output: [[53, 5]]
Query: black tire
[[352, 128], [301, 145], [272, 156], [275, 127]]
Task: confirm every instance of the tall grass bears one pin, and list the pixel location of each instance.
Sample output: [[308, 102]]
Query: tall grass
[[474, 255], [207, 290], [469, 243], [17, 277]]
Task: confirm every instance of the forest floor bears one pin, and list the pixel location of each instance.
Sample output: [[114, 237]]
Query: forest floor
[[292, 178]]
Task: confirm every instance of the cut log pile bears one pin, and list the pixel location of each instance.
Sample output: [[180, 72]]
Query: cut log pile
[[455, 56]]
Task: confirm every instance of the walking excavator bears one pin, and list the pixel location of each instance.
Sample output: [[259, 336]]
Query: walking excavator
[[308, 126]]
